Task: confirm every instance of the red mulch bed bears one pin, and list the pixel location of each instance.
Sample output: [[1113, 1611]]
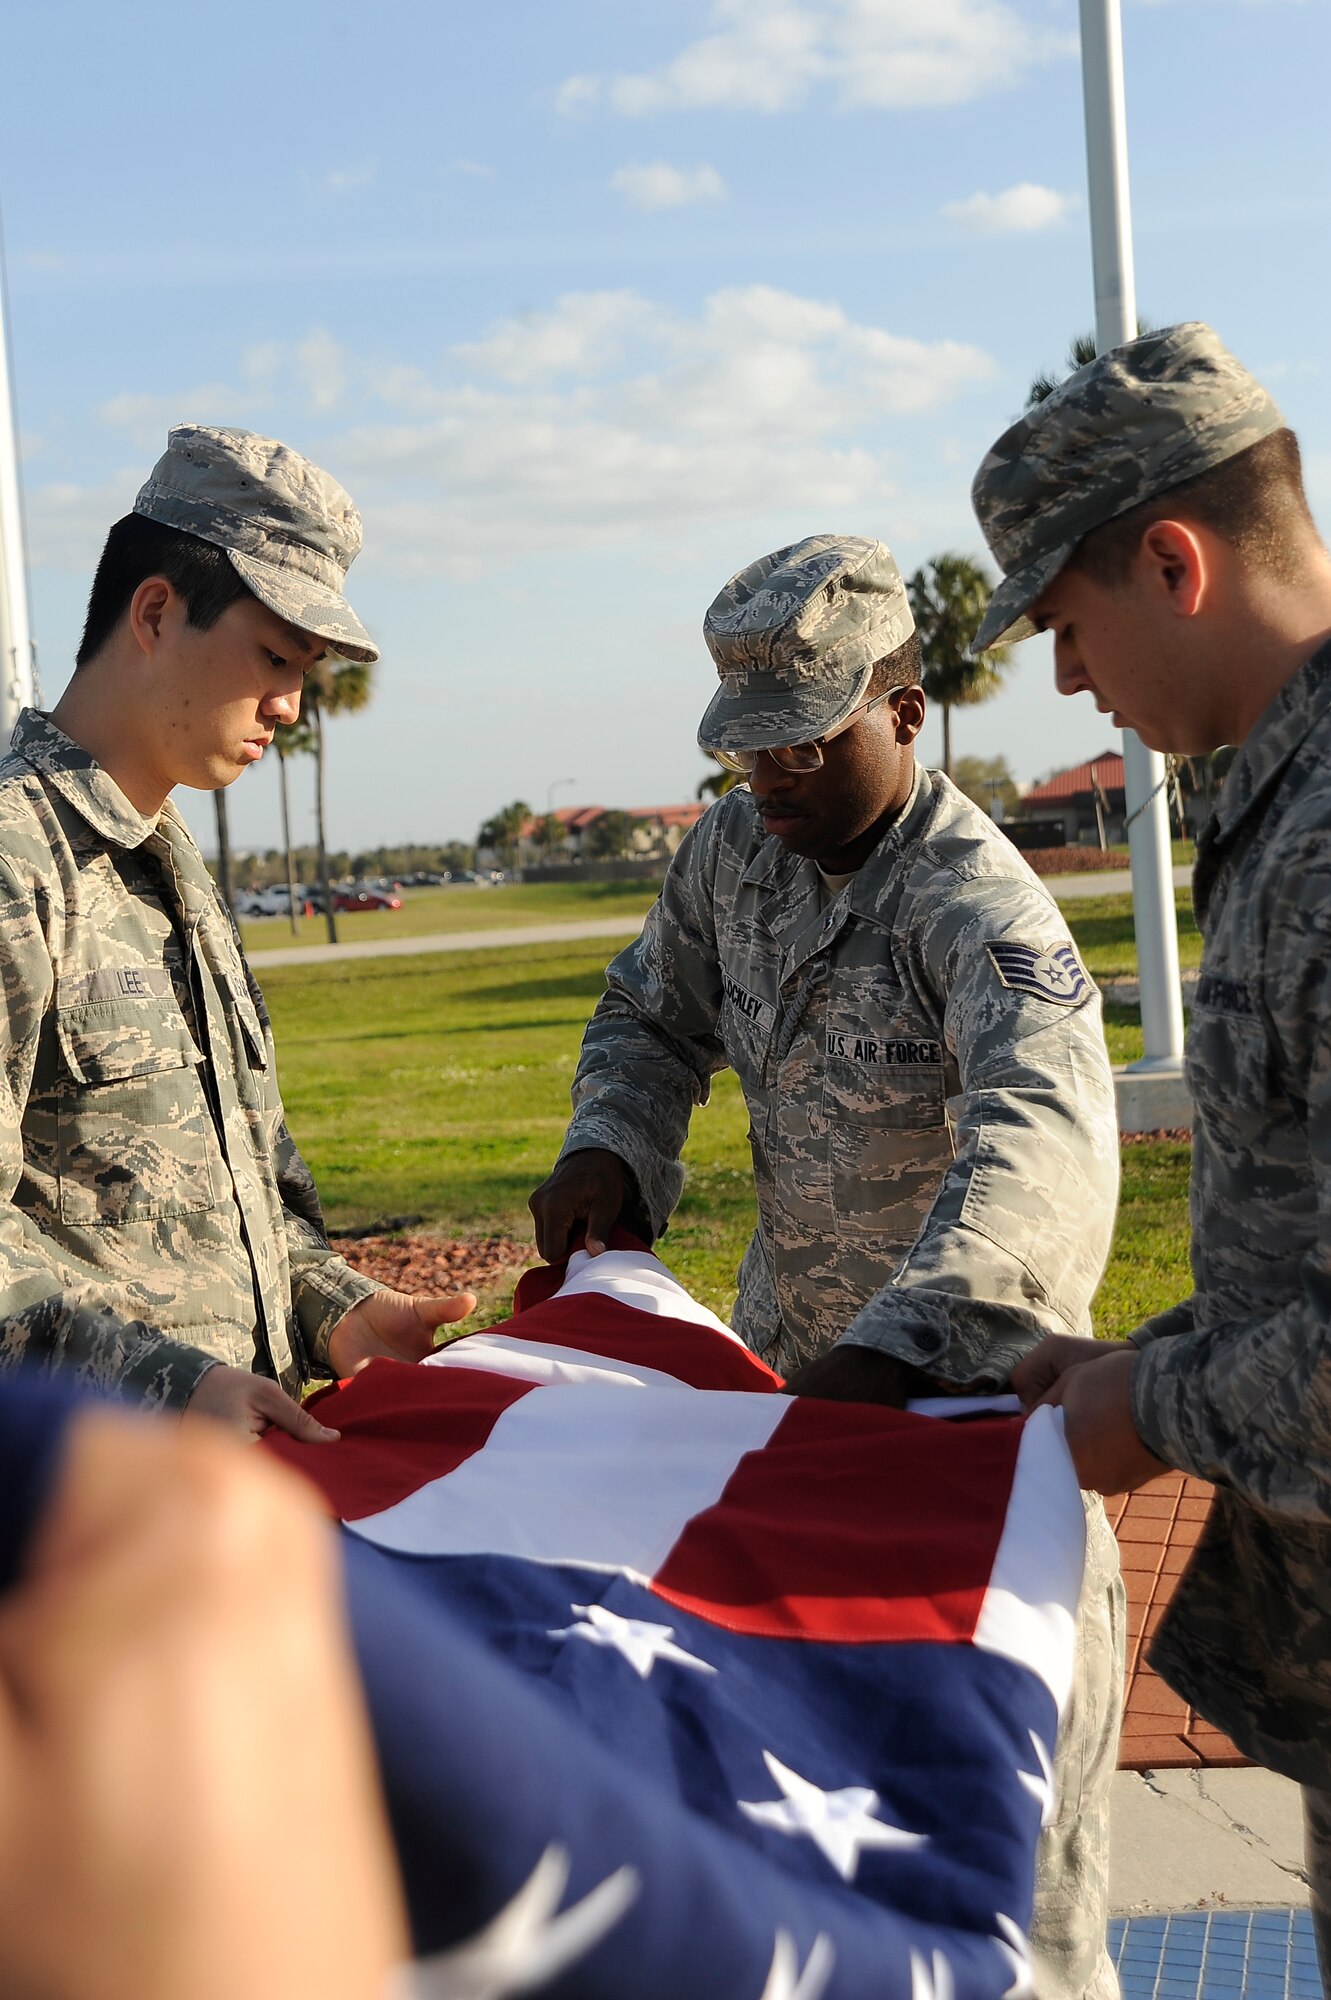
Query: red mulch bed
[[1074, 860], [430, 1264]]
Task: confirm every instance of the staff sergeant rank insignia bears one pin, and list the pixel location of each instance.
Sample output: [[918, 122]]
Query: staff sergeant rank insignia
[[1054, 974]]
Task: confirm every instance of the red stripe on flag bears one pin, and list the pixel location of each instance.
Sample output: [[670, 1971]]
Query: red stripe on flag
[[697, 1356], [402, 1426], [852, 1523]]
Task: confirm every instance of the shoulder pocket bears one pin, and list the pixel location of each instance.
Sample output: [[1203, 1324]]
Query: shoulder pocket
[[134, 1132]]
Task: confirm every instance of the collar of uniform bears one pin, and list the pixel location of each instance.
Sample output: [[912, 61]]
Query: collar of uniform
[[778, 864], [79, 778], [1279, 730]]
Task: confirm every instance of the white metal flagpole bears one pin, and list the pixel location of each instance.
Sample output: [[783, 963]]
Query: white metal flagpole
[[1116, 321], [16, 676]]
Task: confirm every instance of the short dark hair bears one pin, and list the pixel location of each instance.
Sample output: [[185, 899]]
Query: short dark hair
[[1254, 501], [138, 548], [904, 668]]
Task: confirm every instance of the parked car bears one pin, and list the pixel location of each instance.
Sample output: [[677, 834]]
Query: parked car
[[275, 901], [365, 899]]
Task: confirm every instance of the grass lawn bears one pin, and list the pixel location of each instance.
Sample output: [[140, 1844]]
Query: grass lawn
[[438, 1086], [462, 906]]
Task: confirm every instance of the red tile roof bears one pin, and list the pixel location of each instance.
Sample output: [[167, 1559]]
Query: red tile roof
[[1079, 781]]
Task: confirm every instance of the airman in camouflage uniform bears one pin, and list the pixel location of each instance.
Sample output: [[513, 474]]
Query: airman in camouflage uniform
[[160, 1234], [1200, 610], [932, 1113]]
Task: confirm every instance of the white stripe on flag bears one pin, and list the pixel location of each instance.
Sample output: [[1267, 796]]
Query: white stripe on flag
[[600, 1480], [1030, 1608], [636, 1278], [539, 1361]]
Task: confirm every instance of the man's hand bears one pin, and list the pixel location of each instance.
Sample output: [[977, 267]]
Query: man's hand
[[188, 1797], [393, 1326], [587, 1187], [250, 1403], [856, 1375], [1096, 1401], [1043, 1366]]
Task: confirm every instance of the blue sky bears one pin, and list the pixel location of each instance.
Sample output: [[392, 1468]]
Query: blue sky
[[590, 302]]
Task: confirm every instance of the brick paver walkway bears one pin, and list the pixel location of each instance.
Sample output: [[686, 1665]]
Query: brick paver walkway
[[1157, 1528]]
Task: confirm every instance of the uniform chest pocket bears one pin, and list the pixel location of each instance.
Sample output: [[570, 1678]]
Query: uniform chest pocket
[[887, 1082], [134, 1134], [1231, 1078]]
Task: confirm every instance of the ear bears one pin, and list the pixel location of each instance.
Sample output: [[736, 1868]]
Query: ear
[[907, 709], [1174, 562], [147, 609]]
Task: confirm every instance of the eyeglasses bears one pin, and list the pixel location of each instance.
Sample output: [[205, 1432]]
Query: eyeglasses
[[796, 756]]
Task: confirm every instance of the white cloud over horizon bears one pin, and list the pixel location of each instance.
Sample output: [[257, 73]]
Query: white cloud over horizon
[[1014, 211], [769, 55], [603, 420], [660, 185]]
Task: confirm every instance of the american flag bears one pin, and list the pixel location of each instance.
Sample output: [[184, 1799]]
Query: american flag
[[685, 1688]]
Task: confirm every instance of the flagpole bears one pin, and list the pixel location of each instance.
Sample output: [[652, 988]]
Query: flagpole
[[1144, 771], [16, 676]]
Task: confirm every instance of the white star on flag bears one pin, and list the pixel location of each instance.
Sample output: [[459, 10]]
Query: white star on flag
[[641, 1644], [1016, 1951], [1041, 1787], [785, 1981], [528, 1943], [839, 1823], [931, 1984]]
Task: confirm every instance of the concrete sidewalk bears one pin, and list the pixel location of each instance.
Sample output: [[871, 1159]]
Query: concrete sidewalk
[[408, 947], [1205, 1840]]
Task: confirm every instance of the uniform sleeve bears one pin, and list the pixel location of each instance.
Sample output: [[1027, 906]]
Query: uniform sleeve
[[324, 1287], [651, 1048], [1181, 1318], [42, 1320], [1015, 1241], [1245, 1400]]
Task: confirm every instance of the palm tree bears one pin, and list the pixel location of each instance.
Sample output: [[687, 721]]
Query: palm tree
[[290, 739], [610, 837], [332, 687], [1080, 350], [718, 782], [949, 596], [503, 830]]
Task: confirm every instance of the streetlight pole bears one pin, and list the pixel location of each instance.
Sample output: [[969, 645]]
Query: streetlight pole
[[550, 791], [16, 677], [1115, 322]]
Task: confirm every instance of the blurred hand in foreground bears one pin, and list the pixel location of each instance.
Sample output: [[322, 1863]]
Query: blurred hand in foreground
[[188, 1798]]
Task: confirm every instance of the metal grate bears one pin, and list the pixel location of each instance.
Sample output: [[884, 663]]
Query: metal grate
[[1217, 1955]]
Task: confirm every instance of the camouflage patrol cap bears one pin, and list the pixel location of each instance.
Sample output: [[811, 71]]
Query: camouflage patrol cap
[[289, 530], [796, 637], [1135, 421]]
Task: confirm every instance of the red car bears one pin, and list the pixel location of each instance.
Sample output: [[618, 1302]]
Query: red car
[[365, 899]]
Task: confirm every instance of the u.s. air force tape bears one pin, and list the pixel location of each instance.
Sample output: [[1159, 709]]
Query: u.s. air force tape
[[1054, 972]]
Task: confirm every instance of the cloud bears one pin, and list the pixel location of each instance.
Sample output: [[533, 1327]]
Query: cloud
[[771, 55], [311, 374], [1017, 210], [475, 169], [663, 186], [603, 420], [344, 180], [607, 420], [321, 368]]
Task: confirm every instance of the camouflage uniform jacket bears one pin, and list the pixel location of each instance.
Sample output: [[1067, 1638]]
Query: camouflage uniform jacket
[[1235, 1384], [155, 1216], [934, 1139]]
